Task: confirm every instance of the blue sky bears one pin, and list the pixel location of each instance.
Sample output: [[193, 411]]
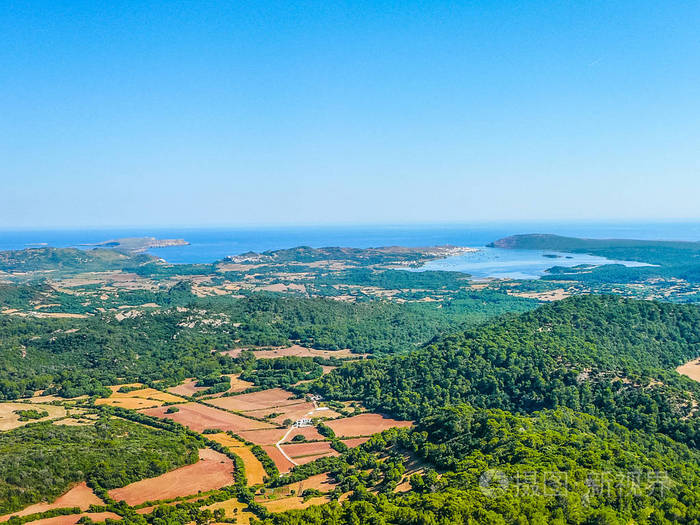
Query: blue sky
[[242, 113]]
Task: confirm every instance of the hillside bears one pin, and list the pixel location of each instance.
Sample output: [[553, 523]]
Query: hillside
[[489, 466], [607, 356]]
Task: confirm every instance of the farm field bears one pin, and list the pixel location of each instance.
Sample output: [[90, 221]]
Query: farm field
[[212, 471], [321, 482], [293, 503], [39, 397], [132, 403], [273, 435], [72, 519], [268, 436], [263, 400], [80, 496], [233, 509], [149, 509], [293, 412], [364, 425], [137, 399], [10, 420], [254, 470], [310, 433], [294, 350], [145, 393], [355, 442], [189, 389], [283, 464], [200, 417], [304, 453], [237, 385]]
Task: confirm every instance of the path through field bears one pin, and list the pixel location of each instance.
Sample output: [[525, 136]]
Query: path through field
[[294, 426]]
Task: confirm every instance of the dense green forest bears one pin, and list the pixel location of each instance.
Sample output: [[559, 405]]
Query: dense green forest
[[374, 327], [604, 355], [77, 356], [41, 461], [549, 467]]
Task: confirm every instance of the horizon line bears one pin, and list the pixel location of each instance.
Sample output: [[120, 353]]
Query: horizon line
[[266, 226]]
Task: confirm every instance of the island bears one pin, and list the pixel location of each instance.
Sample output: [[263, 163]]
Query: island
[[138, 244]]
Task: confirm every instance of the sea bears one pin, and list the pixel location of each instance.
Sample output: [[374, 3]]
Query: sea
[[213, 244]]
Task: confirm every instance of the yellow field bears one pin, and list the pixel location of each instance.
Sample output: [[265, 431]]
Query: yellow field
[[10, 420], [136, 399], [254, 470], [233, 509], [238, 384], [320, 482], [146, 393], [284, 504], [51, 398], [128, 402]]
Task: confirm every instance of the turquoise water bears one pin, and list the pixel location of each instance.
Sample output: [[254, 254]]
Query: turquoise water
[[516, 264]]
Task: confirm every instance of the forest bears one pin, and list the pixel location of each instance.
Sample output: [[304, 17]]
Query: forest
[[553, 466], [42, 460], [607, 356]]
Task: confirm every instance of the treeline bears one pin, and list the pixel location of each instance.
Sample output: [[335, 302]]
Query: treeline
[[71, 357], [282, 372], [397, 279], [376, 327]]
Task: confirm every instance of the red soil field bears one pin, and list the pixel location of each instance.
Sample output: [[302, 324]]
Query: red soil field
[[80, 496], [292, 412], [275, 455], [272, 436], [72, 519], [200, 417], [354, 442], [320, 482], [274, 397], [263, 437], [364, 425], [303, 453], [308, 459], [295, 350], [212, 471], [186, 389], [237, 385], [309, 433], [300, 450]]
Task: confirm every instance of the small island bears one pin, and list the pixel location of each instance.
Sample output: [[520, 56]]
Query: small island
[[138, 244]]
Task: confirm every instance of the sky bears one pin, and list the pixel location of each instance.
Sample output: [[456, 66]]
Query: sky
[[268, 113]]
